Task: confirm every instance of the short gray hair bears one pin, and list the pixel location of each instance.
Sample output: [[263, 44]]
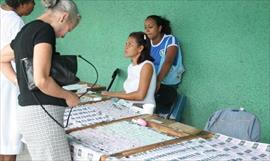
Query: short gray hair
[[68, 6]]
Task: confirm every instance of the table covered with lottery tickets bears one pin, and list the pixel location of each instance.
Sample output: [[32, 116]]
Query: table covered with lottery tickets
[[110, 129]]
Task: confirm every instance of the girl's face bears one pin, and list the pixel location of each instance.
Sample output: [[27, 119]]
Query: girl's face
[[132, 49], [27, 8], [151, 28]]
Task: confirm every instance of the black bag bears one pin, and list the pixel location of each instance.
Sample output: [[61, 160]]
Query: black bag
[[63, 70]]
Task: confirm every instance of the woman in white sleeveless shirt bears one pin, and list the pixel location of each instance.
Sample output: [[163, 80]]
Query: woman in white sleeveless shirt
[[140, 85]]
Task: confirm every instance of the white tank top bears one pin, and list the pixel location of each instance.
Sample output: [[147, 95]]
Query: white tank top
[[131, 84]]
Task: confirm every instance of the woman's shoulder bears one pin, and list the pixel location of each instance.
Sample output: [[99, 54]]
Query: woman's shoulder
[[166, 40], [9, 13], [148, 67], [142, 64], [147, 63], [171, 40], [39, 26], [10, 17], [169, 37], [39, 23]]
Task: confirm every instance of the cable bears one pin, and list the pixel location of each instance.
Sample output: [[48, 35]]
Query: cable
[[36, 99], [96, 75]]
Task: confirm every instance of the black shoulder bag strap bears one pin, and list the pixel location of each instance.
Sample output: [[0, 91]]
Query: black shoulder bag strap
[[37, 100]]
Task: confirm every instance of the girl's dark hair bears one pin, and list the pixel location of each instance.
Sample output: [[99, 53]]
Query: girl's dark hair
[[163, 22], [142, 39], [16, 3]]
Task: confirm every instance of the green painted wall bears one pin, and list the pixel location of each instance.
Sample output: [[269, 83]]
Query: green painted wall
[[226, 46]]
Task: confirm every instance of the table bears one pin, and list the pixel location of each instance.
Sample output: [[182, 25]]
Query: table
[[103, 122]]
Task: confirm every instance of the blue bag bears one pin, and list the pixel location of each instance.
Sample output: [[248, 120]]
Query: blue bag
[[235, 123]]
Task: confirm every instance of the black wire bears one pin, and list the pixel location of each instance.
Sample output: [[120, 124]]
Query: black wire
[[96, 75], [35, 97]]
